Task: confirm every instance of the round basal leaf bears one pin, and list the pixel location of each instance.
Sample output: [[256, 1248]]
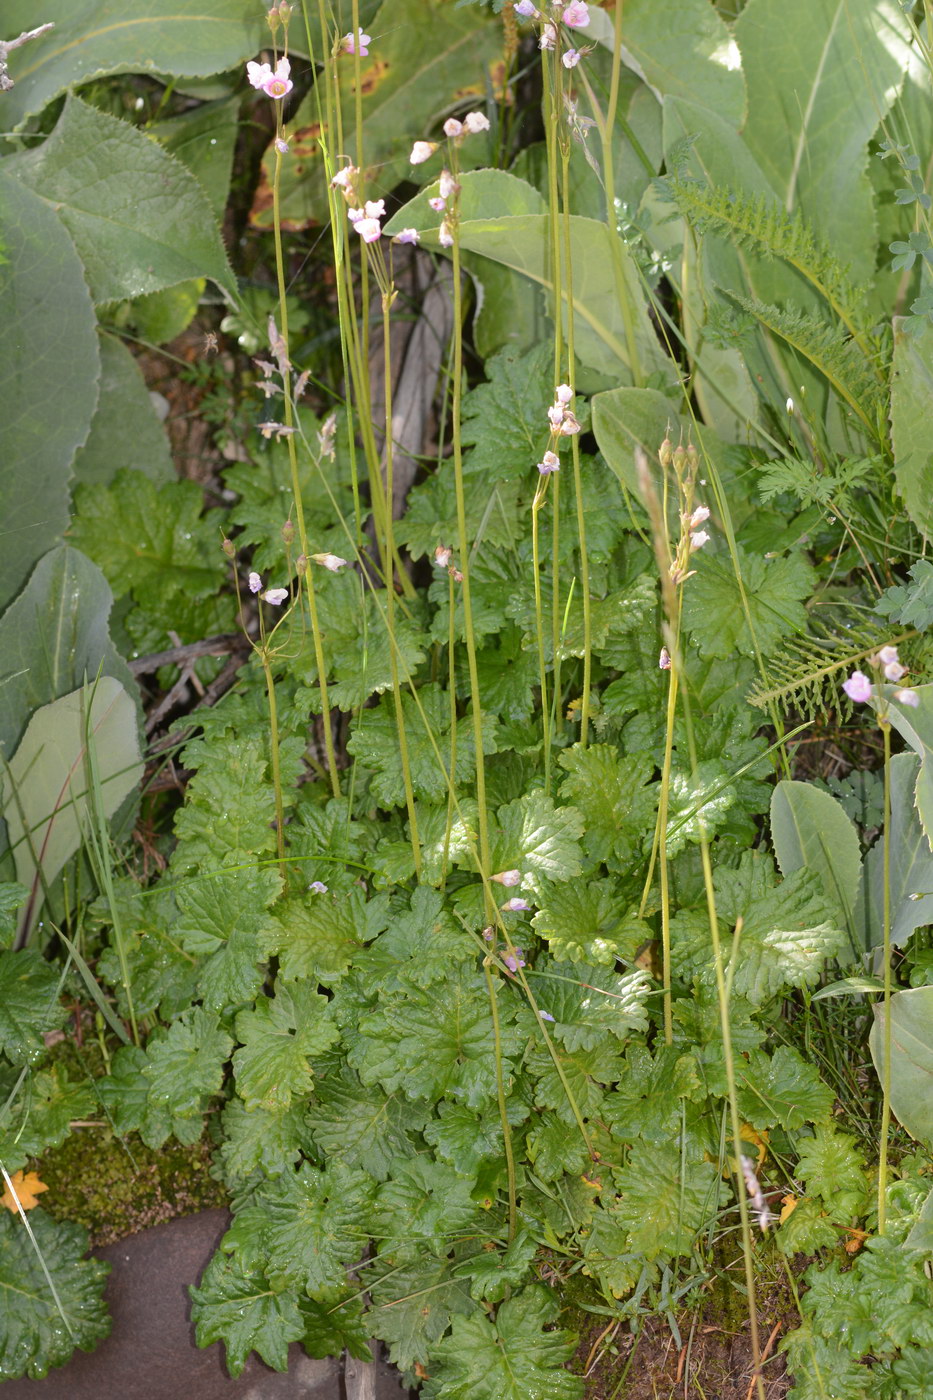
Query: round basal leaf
[[811, 831], [48, 355], [95, 37], [911, 1058]]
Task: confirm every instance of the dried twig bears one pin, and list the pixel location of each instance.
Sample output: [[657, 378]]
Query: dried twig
[[8, 45], [178, 656]]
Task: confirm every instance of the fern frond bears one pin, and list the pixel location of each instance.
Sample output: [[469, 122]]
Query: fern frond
[[838, 359], [806, 672], [762, 225]]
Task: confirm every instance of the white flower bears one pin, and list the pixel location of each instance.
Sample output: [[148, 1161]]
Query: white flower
[[887, 654], [275, 596], [330, 561], [699, 517], [698, 539], [475, 122], [445, 235], [569, 427], [563, 394], [344, 178], [422, 151], [548, 38], [255, 583], [894, 671], [526, 9], [549, 463], [507, 877], [571, 57], [407, 235], [258, 74], [446, 184], [452, 127], [438, 203], [555, 416], [907, 697]]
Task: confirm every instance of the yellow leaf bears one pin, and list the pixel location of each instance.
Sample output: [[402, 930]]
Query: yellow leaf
[[26, 1191], [789, 1206]]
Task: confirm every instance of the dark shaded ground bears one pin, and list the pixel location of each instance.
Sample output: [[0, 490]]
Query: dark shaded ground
[[151, 1353]]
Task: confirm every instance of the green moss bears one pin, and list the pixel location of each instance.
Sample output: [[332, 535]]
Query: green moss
[[116, 1186]]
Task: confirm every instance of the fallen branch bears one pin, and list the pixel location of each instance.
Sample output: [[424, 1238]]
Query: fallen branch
[[8, 45]]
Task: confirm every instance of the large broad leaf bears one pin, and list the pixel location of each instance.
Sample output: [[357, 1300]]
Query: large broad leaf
[[911, 867], [911, 396], [681, 50], [95, 37], [33, 1335], [125, 431], [46, 790], [911, 1058], [503, 219], [49, 369], [204, 140], [427, 56], [139, 218], [821, 75], [811, 831], [53, 638]]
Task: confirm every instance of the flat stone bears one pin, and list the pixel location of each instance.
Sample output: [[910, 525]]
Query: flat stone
[[151, 1352]]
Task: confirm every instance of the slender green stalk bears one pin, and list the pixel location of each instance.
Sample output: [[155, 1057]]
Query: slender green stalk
[[296, 492], [886, 996], [389, 555], [274, 755], [452, 696], [536, 505], [503, 1106]]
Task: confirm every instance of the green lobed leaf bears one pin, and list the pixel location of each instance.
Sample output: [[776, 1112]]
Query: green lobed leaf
[[513, 1358], [774, 592], [33, 1336], [324, 932], [833, 1168], [589, 921], [610, 791], [184, 1069], [647, 1102], [466, 1138], [139, 219], [261, 1139], [315, 1225], [666, 1196], [230, 807], [362, 1126], [412, 1306], [277, 1038], [538, 838], [783, 1088], [226, 925], [238, 1307], [587, 1003], [29, 1005], [424, 1205], [49, 334], [911, 603], [12, 898], [40, 1114]]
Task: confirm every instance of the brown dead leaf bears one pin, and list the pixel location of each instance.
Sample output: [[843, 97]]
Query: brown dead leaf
[[855, 1241], [789, 1205], [27, 1188]]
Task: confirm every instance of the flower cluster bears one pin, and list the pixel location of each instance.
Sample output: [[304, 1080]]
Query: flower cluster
[[576, 15], [444, 201], [860, 688], [275, 84], [366, 220], [562, 422]]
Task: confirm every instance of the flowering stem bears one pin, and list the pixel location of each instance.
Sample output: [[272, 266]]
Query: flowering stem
[[539, 629], [577, 475], [274, 752], [452, 694], [296, 488], [387, 299], [885, 726], [503, 1106]]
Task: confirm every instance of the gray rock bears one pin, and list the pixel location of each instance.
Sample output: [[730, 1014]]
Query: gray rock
[[151, 1352]]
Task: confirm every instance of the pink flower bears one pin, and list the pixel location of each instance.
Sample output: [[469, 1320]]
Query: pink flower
[[858, 687], [277, 84], [907, 697], [368, 229], [563, 394], [475, 122], [548, 38], [550, 462], [275, 596], [576, 15], [344, 178], [507, 878], [366, 220], [887, 654], [514, 961], [318, 886], [894, 671], [515, 906], [422, 151], [452, 127], [438, 204], [361, 40], [569, 426], [664, 660], [699, 517], [407, 235], [526, 9], [255, 583], [571, 58]]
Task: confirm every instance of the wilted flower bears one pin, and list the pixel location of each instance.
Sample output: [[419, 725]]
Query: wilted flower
[[422, 151], [548, 38], [664, 660], [278, 430], [352, 42], [344, 178], [325, 437], [569, 427], [550, 462], [445, 235], [576, 15], [442, 559], [858, 687], [330, 561], [475, 122], [447, 184]]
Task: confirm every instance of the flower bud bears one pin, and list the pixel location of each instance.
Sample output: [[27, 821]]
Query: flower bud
[[288, 532], [228, 548], [680, 458], [666, 453], [301, 563]]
